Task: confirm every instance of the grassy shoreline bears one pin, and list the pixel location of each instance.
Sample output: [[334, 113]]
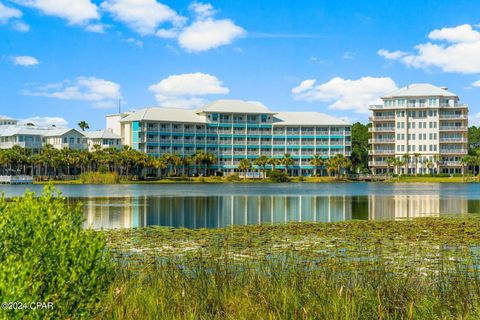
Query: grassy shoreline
[[420, 269], [199, 180]]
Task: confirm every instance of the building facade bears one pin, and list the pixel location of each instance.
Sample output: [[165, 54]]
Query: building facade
[[103, 139], [421, 124], [35, 138], [233, 130]]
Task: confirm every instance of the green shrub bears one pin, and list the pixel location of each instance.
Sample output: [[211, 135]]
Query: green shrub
[[278, 176], [47, 256], [100, 178], [233, 177], [301, 179]]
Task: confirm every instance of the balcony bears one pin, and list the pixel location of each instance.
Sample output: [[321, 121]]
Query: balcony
[[453, 128], [381, 129], [459, 139], [454, 151], [377, 164], [453, 116], [381, 151], [450, 163], [392, 140], [383, 118]]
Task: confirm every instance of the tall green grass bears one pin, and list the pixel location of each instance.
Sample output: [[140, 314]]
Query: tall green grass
[[206, 288]]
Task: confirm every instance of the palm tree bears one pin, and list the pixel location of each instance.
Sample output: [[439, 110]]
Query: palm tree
[[175, 160], [316, 161], [244, 166], [397, 164], [390, 162], [83, 125], [160, 164], [287, 161], [187, 162], [330, 165], [208, 160], [198, 158], [262, 162], [406, 160], [341, 162], [417, 157], [465, 161], [429, 164], [274, 162]]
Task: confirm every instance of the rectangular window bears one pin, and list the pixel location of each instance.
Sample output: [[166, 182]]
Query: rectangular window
[[434, 147], [435, 125]]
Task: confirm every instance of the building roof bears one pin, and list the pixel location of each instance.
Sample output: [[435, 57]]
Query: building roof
[[56, 132], [12, 130], [307, 118], [5, 118], [102, 134], [234, 106], [165, 114], [420, 90]]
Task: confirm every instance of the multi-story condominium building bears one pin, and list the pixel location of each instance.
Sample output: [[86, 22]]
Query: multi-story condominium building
[[423, 125], [233, 130], [103, 138]]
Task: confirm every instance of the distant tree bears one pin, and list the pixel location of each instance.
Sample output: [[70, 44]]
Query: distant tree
[[360, 136], [287, 161], [473, 138], [262, 162], [316, 161], [244, 166], [417, 157], [83, 125]]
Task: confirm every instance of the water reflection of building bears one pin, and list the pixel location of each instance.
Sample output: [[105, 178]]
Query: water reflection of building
[[213, 211], [111, 213], [221, 211], [413, 206]]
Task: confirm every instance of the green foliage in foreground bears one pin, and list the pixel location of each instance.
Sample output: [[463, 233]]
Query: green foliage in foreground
[[421, 269], [46, 256]]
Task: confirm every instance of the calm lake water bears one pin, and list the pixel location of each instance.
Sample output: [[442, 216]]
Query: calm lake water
[[220, 205]]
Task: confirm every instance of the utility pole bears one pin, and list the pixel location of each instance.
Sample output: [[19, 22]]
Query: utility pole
[[119, 105]]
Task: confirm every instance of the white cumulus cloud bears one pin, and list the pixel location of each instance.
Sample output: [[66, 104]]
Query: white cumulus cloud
[[186, 90], [45, 121], [391, 55], [7, 13], [143, 16], [99, 91], [476, 84], [207, 34], [345, 94], [79, 12], [457, 49], [25, 61]]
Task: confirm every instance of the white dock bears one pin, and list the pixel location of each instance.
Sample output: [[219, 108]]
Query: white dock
[[22, 179]]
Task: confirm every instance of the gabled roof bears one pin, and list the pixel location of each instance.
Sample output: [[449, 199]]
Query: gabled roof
[[58, 132], [420, 90], [165, 114], [307, 118], [234, 106], [102, 134]]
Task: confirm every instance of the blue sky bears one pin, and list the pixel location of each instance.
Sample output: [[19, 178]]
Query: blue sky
[[64, 61]]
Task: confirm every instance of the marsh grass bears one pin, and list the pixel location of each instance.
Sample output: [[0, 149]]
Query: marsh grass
[[422, 269]]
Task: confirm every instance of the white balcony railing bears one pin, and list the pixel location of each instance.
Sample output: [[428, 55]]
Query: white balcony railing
[[381, 129], [460, 139], [380, 151], [453, 128], [381, 140], [454, 151], [453, 116], [449, 163]]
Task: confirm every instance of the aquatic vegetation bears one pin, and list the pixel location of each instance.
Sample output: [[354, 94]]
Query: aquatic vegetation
[[421, 269]]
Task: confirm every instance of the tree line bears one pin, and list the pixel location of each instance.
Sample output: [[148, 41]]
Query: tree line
[[127, 162]]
